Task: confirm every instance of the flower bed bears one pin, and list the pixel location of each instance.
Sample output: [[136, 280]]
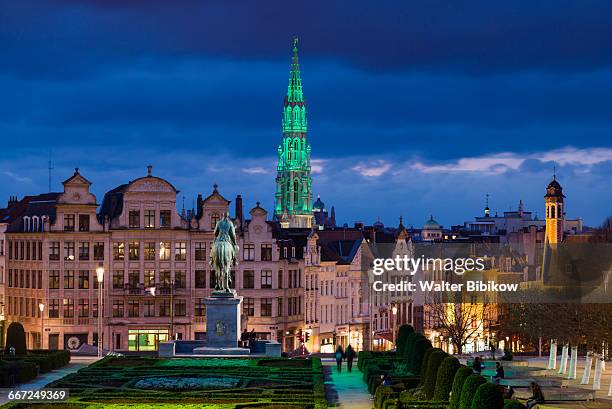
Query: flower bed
[[182, 383]]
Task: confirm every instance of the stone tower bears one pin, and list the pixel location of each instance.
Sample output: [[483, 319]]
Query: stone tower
[[555, 212], [293, 207]]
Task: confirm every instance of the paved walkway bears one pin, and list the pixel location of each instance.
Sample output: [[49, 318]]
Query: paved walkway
[[346, 389], [42, 380]]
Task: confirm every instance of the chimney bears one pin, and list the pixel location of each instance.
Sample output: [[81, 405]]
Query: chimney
[[239, 215], [199, 205], [11, 202]]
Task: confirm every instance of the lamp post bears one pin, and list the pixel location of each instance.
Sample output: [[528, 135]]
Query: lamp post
[[100, 279], [41, 307], [394, 311]]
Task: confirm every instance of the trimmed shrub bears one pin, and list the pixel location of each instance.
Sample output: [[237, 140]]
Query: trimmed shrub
[[488, 396], [433, 363], [15, 337], [445, 377], [513, 404], [12, 372], [460, 376], [409, 346], [418, 354], [402, 337], [423, 368], [469, 390], [46, 360]]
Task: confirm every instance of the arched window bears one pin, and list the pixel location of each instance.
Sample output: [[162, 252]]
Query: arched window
[[35, 223], [296, 192], [26, 223]]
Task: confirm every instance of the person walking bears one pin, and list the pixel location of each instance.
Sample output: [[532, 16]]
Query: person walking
[[350, 355], [339, 357]]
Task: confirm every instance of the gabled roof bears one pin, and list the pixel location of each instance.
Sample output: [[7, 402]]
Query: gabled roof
[[76, 177]]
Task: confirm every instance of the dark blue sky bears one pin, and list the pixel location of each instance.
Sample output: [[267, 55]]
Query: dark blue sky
[[415, 108]]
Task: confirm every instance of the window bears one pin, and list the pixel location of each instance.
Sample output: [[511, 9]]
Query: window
[[118, 279], [200, 251], [211, 279], [180, 251], [54, 279], [117, 308], [180, 279], [200, 279], [266, 279], [248, 279], [164, 250], [149, 251], [133, 308], [164, 308], [54, 250], [149, 278], [180, 308], [214, 219], [83, 307], [94, 308], [248, 254], [248, 307], [83, 222], [68, 308], [134, 250], [293, 279], [150, 219], [118, 251], [134, 219], [68, 279], [165, 218], [280, 279], [68, 222], [164, 278], [149, 308], [200, 307], [279, 312], [84, 279], [84, 251], [69, 251], [266, 252], [133, 279], [98, 251], [54, 307], [266, 307]]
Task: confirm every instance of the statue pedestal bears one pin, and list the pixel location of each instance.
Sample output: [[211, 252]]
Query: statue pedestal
[[223, 321]]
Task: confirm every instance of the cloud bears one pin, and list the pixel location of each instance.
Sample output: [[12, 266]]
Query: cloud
[[317, 166], [504, 162], [16, 177], [256, 171], [372, 169]]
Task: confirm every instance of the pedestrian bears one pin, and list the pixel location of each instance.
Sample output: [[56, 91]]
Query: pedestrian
[[339, 357], [536, 396], [499, 372], [350, 355], [477, 365]]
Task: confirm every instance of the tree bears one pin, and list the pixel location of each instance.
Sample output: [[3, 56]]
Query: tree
[[457, 320]]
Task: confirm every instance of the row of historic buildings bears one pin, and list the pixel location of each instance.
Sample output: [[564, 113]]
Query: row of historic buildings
[[303, 279]]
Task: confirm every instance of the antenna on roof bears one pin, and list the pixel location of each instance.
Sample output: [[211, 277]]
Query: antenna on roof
[[50, 168]]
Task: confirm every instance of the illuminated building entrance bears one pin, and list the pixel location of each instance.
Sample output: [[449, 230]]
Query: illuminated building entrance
[[146, 339]]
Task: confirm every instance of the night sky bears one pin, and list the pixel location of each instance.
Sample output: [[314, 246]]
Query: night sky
[[414, 108]]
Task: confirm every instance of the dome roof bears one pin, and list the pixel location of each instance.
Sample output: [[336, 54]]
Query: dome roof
[[318, 205], [431, 224]]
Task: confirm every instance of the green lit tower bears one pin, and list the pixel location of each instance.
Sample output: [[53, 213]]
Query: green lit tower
[[293, 207]]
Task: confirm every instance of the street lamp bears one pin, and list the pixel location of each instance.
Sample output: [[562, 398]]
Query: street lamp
[[41, 307], [100, 279], [394, 311]]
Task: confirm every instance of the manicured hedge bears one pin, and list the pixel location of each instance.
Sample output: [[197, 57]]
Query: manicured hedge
[[419, 355], [488, 396], [16, 372], [15, 338], [445, 377], [460, 376], [46, 360], [468, 390], [513, 404], [402, 338], [409, 346], [433, 363]]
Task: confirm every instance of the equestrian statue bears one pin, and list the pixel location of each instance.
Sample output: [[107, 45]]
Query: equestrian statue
[[224, 255]]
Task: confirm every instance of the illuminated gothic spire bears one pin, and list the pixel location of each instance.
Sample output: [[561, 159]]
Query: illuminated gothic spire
[[293, 207]]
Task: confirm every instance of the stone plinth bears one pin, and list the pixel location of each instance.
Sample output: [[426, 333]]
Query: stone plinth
[[222, 321]]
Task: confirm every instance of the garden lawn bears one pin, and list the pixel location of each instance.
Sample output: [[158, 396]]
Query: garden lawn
[[223, 383]]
